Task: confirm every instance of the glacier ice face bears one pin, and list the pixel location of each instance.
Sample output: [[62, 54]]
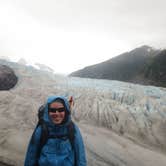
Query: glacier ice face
[[135, 111]]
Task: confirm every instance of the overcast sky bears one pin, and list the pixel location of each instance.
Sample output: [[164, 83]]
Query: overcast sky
[[68, 35]]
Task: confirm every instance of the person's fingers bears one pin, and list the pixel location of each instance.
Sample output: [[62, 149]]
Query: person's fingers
[[70, 98]]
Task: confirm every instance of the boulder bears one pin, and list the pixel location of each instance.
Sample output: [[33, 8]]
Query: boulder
[[8, 79]]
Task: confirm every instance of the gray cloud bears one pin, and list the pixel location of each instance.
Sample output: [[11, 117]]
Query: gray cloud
[[85, 28], [127, 20]]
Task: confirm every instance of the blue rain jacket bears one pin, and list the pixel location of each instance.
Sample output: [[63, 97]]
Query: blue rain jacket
[[56, 151]]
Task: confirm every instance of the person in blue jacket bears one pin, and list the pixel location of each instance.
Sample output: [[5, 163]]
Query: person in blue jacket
[[57, 150]]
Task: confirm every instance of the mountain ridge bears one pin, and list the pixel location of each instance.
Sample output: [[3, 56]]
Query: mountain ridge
[[129, 67]]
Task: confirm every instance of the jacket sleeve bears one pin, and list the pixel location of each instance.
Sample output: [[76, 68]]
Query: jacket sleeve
[[79, 149], [31, 158]]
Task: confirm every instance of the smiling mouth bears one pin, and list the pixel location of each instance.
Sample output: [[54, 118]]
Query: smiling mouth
[[57, 118]]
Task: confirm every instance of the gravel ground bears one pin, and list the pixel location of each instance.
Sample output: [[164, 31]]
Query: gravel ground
[[3, 164]]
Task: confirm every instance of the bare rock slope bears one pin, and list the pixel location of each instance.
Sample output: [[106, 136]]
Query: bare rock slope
[[122, 124]]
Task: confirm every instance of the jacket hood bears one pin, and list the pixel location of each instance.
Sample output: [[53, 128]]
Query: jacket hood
[[50, 100]]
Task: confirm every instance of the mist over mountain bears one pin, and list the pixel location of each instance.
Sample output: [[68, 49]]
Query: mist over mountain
[[22, 61], [44, 67], [134, 66]]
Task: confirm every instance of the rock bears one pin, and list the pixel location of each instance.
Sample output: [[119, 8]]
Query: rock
[[8, 79]]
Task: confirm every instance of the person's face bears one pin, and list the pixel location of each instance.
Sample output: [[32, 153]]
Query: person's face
[[56, 112]]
